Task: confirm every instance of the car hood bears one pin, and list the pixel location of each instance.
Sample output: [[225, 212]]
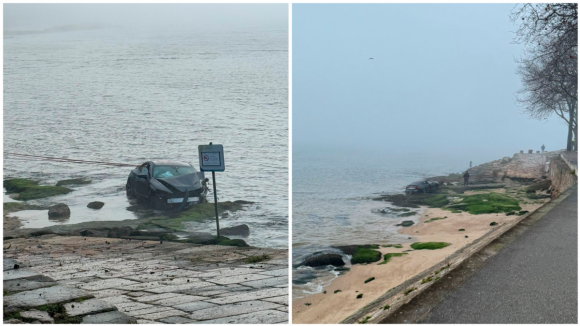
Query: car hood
[[188, 181]]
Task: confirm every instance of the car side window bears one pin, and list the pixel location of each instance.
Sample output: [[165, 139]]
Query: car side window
[[144, 170]]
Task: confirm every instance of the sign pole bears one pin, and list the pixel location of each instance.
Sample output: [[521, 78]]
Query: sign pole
[[211, 158], [217, 221]]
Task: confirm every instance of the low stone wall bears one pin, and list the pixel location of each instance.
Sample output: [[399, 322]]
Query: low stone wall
[[561, 175], [571, 158]]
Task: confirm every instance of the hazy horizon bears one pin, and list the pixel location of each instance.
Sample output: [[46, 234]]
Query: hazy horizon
[[442, 80], [38, 17]]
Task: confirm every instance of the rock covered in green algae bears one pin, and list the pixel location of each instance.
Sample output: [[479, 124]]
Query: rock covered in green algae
[[78, 181], [429, 245], [28, 189], [487, 203], [405, 223], [361, 254]]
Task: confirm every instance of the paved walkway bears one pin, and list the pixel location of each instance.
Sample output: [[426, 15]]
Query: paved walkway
[[532, 280], [152, 282]]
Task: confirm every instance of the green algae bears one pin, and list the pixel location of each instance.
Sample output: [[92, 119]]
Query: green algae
[[435, 219], [487, 203], [28, 189], [387, 257], [197, 213], [429, 245], [365, 255], [77, 181], [398, 246]]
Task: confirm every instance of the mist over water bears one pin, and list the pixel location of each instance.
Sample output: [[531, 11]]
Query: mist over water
[[131, 95]]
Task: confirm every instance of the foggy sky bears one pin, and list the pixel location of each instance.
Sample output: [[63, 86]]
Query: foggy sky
[[200, 16], [442, 79]]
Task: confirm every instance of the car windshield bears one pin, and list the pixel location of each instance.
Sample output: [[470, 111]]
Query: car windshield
[[168, 171]]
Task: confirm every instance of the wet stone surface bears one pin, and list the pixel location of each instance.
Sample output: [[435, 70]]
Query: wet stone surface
[[147, 281]]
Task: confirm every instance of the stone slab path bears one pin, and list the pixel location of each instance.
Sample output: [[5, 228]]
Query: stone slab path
[[148, 281]]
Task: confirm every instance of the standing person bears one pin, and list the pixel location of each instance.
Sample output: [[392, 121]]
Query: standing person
[[466, 179], [543, 147]]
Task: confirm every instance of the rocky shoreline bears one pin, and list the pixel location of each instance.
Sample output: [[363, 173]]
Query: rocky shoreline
[[150, 224], [454, 216], [149, 269]]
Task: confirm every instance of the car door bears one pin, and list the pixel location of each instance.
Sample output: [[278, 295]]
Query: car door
[[142, 181]]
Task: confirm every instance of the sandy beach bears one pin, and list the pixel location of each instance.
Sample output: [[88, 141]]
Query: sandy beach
[[335, 307]]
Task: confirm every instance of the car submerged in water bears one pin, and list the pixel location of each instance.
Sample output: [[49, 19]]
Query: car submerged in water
[[422, 187], [167, 184]]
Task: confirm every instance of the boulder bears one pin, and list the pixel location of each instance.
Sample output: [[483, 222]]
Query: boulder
[[59, 210], [96, 205], [323, 260], [241, 230], [405, 223]]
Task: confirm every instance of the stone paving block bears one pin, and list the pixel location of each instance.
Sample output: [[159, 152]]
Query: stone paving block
[[136, 286], [155, 297], [87, 307], [112, 317], [194, 306], [179, 288], [179, 280], [248, 296], [146, 321], [38, 297], [128, 306], [41, 316], [20, 273], [70, 276], [146, 311], [276, 272], [106, 284], [137, 294], [259, 317], [232, 310], [177, 320], [281, 286], [216, 289], [25, 285], [269, 282], [283, 308], [221, 272], [163, 314], [182, 298], [117, 299], [107, 293], [8, 264], [283, 299], [237, 279]]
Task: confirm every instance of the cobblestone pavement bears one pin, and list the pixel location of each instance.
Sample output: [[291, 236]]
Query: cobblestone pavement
[[150, 281]]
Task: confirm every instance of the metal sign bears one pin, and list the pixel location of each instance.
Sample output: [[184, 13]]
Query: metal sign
[[211, 158]]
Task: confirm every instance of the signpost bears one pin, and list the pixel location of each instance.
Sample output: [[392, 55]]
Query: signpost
[[211, 158]]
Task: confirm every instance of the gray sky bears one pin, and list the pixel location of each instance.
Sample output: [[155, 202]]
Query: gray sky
[[41, 16], [442, 79]]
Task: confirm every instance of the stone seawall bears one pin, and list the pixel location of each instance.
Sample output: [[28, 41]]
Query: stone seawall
[[562, 176]]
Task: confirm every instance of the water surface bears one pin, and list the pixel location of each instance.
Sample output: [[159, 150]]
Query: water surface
[[128, 96]]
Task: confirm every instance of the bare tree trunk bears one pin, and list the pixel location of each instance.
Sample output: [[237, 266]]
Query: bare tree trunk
[[570, 129]]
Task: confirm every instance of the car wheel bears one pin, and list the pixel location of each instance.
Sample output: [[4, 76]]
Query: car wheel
[[129, 190]]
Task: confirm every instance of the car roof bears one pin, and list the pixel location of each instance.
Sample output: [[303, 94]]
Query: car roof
[[417, 182], [170, 162]]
